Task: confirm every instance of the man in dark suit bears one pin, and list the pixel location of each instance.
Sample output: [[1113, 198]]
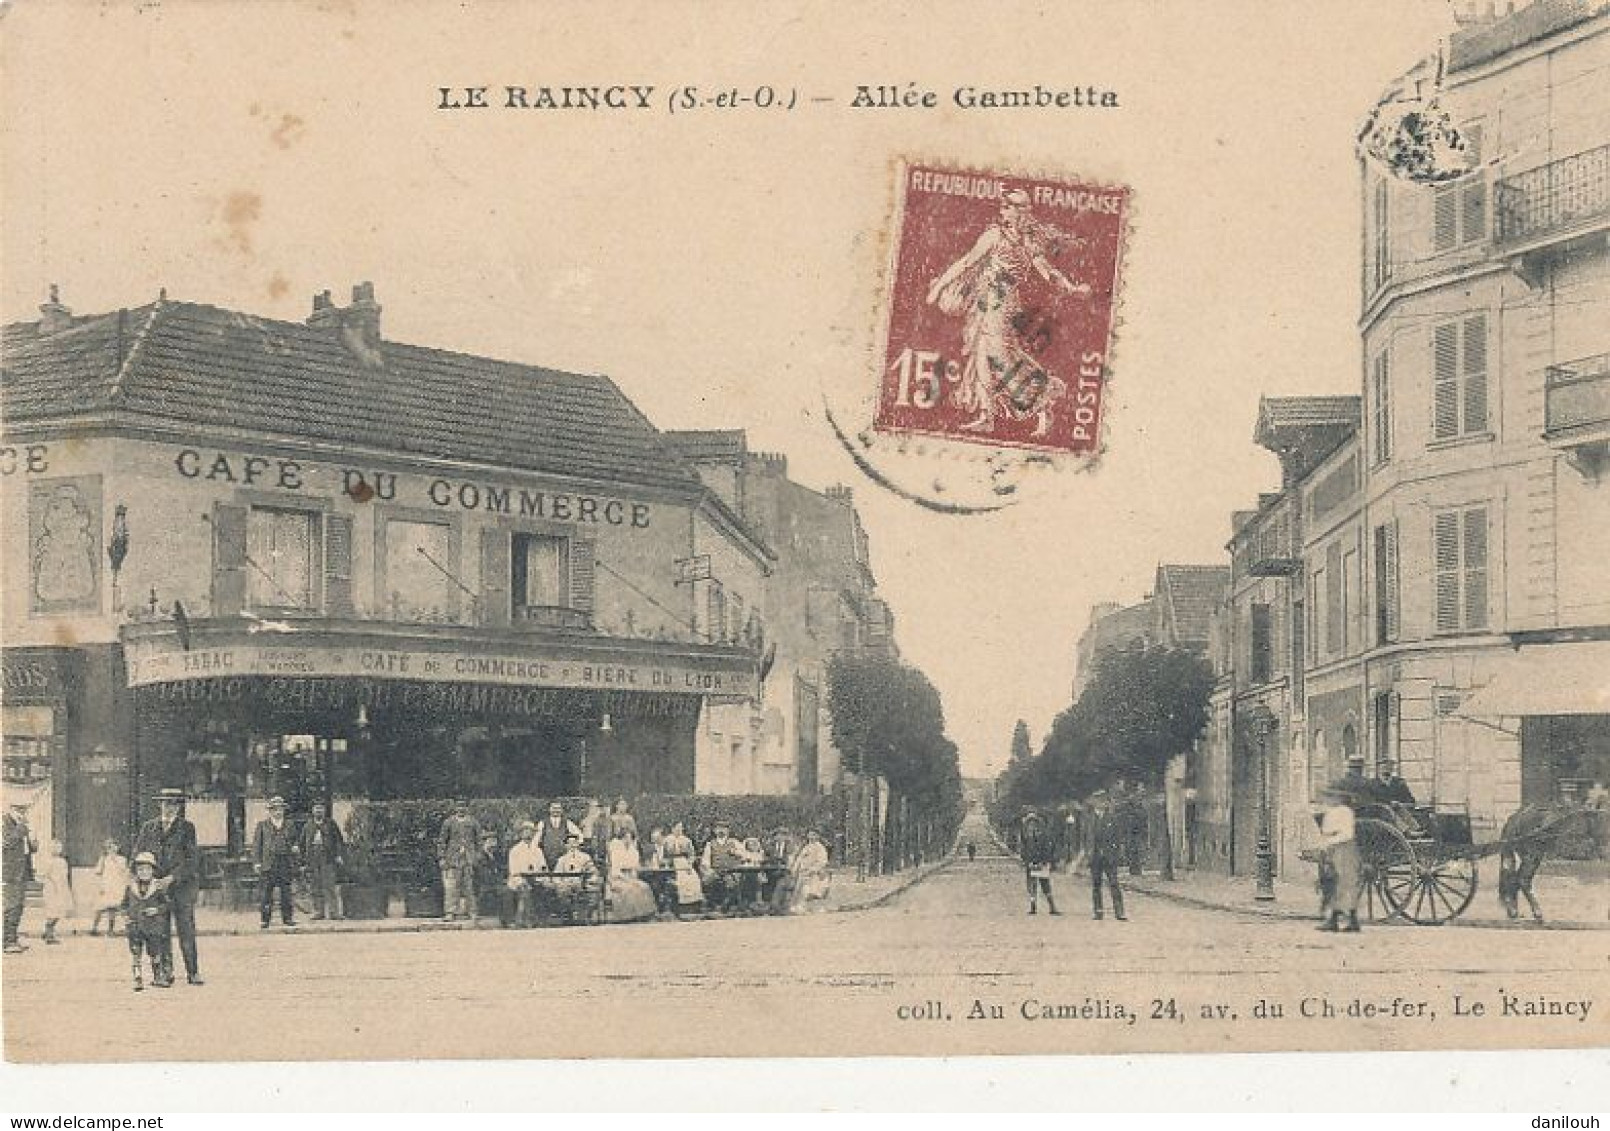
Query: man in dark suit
[[322, 848], [16, 852], [171, 838], [1108, 847], [274, 853]]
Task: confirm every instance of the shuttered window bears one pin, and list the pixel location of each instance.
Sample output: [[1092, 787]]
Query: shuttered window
[[1382, 266], [540, 576], [280, 558], [1386, 583], [1261, 640], [583, 569], [338, 565], [1459, 209], [1381, 407], [1460, 555], [1335, 624], [228, 560], [1459, 377], [715, 628]]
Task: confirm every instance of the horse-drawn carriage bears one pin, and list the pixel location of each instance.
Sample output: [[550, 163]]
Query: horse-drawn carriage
[[1421, 865]]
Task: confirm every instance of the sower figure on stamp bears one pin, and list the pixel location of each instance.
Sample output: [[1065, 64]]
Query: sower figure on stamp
[[985, 286], [1039, 853], [1108, 844], [171, 839]]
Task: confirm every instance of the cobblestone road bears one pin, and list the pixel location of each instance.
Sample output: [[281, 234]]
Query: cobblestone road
[[953, 964]]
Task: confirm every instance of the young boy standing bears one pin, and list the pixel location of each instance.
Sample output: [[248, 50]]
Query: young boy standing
[[147, 909]]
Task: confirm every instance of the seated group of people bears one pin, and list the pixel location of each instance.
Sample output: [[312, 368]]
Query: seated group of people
[[599, 870]]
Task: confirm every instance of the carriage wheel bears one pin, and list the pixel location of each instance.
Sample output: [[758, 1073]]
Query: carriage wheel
[[1429, 891], [1385, 857]]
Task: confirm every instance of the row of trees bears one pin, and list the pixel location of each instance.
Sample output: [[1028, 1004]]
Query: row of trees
[[888, 722], [1142, 706]]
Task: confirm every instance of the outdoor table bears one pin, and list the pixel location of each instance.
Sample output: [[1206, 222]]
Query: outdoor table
[[765, 875], [662, 882]]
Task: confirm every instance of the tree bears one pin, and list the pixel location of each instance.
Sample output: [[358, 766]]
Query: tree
[[888, 721], [1021, 750]]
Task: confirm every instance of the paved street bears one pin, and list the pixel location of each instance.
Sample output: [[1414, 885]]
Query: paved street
[[903, 977]]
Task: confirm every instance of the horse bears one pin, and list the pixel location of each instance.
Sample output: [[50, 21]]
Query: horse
[[1530, 834]]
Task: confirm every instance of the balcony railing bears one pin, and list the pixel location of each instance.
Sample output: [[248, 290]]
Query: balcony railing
[[553, 617], [1576, 396], [1554, 199]]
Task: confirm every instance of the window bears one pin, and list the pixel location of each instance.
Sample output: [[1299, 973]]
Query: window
[[1459, 210], [539, 572], [1459, 377], [1386, 583], [1261, 639], [1459, 548], [1350, 603], [715, 629], [420, 570], [1381, 407], [279, 558], [1335, 624], [1381, 265], [1382, 708]]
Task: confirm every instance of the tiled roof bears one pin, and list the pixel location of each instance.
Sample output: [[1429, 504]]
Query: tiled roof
[[1309, 412], [1188, 594], [1485, 41], [201, 365], [728, 444]]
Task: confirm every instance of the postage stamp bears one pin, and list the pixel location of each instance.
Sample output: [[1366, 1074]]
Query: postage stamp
[[1000, 307]]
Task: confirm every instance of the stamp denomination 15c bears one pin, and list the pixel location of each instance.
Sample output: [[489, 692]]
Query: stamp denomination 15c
[[1000, 308]]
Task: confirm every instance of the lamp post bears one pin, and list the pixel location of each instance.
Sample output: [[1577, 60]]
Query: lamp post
[[1263, 726]]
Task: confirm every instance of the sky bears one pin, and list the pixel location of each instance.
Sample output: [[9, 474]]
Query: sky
[[724, 266]]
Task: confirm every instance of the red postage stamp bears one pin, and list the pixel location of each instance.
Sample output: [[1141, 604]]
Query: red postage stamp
[[1000, 311]]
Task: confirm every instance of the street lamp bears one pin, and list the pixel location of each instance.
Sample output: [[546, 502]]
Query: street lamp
[[1263, 724]]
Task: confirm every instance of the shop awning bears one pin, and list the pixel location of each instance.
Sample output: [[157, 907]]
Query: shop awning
[[1548, 679]]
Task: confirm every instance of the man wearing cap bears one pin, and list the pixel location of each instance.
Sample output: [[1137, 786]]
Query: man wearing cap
[[17, 846], [1038, 851], [1353, 785], [1390, 787], [723, 854], [171, 839], [1107, 851], [322, 848], [274, 856], [525, 865], [458, 846]]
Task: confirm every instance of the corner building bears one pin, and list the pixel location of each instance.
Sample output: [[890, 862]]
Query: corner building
[[1484, 529], [250, 557]]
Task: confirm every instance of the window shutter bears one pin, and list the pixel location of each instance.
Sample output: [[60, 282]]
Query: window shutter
[[228, 560], [495, 577], [583, 563], [715, 628], [1391, 579], [1475, 572], [1383, 408], [1445, 218], [1473, 192], [1334, 625], [1445, 553], [338, 565], [1445, 381], [1475, 374]]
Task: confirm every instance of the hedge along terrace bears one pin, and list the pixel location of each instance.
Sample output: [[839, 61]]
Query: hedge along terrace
[[395, 841]]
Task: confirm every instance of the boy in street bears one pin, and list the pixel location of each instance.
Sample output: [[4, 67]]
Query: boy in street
[[147, 912], [1038, 853]]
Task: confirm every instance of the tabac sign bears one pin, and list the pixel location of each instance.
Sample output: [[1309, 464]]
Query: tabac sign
[[155, 662]]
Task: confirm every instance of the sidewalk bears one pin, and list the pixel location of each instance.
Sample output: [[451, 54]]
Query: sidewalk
[[845, 895], [1577, 898]]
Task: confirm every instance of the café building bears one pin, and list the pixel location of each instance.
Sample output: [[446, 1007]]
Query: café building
[[250, 557]]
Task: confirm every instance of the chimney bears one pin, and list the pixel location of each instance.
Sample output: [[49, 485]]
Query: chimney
[[325, 315], [364, 313], [53, 316], [358, 325]]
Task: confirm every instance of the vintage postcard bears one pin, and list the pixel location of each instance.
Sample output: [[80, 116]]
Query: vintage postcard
[[728, 530]]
